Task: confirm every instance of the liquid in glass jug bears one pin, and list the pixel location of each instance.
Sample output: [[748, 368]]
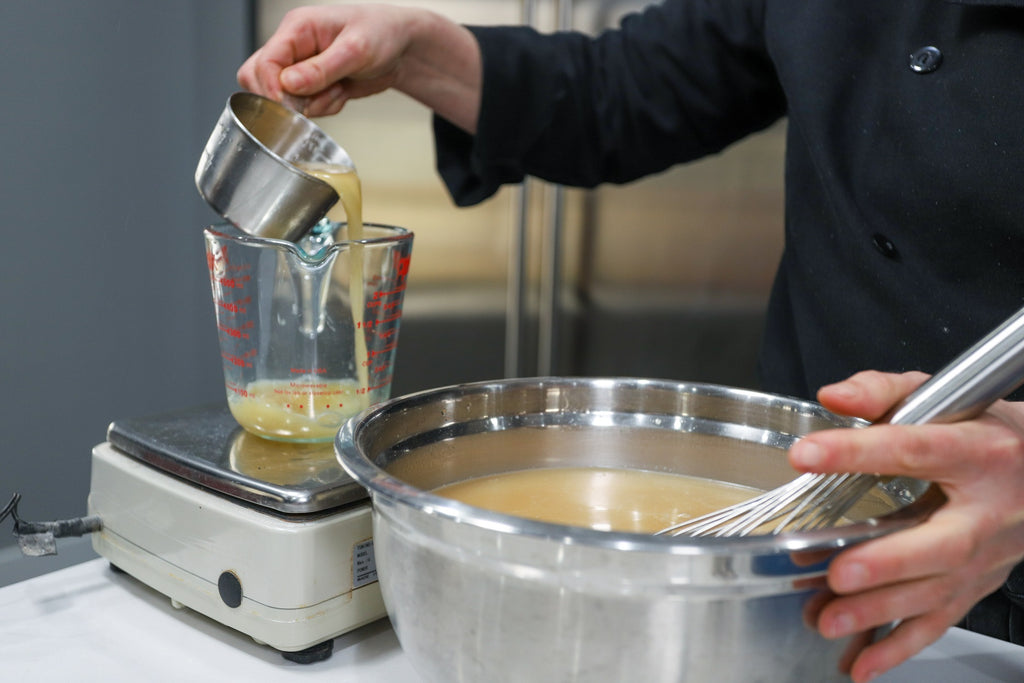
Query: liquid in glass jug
[[307, 341]]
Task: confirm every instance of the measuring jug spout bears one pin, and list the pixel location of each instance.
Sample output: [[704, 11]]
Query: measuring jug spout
[[311, 279], [307, 342]]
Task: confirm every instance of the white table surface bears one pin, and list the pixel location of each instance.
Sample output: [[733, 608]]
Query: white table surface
[[88, 623]]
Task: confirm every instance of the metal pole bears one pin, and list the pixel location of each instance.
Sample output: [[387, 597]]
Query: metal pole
[[551, 271]]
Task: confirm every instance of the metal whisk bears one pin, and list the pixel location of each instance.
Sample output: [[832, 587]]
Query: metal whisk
[[988, 371]]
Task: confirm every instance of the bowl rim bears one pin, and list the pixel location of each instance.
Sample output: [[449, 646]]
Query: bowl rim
[[390, 489]]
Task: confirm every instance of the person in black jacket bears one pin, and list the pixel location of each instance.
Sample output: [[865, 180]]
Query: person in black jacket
[[904, 220]]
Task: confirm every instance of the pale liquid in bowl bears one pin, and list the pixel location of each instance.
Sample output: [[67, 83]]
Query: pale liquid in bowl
[[607, 499]]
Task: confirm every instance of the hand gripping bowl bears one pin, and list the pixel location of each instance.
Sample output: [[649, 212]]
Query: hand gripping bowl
[[475, 595]]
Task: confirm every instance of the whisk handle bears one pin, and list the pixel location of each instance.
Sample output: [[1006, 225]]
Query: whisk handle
[[986, 372]]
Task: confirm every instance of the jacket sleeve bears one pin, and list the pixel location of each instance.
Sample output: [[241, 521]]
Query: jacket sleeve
[[672, 83]]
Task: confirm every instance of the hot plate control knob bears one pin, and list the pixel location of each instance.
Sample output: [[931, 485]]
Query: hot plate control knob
[[230, 588]]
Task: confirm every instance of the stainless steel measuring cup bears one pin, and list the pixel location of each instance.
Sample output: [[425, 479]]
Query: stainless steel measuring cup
[[307, 342], [247, 171]]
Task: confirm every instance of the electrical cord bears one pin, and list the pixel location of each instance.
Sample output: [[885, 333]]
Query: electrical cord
[[37, 539]]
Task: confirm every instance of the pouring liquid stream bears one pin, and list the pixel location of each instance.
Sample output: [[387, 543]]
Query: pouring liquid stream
[[315, 404], [346, 183]]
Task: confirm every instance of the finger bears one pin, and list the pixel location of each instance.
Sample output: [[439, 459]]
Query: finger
[[869, 394], [935, 452], [349, 53], [853, 649], [813, 607], [962, 557], [327, 102], [295, 40], [946, 542], [258, 77], [846, 615], [905, 641], [247, 72], [921, 608]]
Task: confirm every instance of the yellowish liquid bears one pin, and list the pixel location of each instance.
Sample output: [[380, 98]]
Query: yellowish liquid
[[349, 208], [315, 410], [599, 498], [296, 410], [346, 183]]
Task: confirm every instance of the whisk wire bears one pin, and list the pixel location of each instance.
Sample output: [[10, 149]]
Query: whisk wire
[[807, 502]]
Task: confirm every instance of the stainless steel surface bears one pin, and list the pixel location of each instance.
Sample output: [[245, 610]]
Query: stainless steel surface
[[550, 314], [476, 595], [515, 289], [206, 447], [989, 370], [986, 372], [247, 170]]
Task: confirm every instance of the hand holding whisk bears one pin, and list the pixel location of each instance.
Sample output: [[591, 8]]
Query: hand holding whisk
[[986, 372]]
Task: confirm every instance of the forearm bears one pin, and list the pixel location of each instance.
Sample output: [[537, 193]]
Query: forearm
[[581, 111]]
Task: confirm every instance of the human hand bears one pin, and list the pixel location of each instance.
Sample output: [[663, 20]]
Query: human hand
[[929, 576], [321, 57], [326, 55]]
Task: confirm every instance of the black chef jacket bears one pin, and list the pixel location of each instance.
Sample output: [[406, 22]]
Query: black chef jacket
[[904, 165]]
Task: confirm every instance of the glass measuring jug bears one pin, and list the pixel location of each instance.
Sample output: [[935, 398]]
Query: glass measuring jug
[[307, 341]]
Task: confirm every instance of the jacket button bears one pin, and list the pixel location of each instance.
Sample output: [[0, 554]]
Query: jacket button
[[925, 60], [885, 246]]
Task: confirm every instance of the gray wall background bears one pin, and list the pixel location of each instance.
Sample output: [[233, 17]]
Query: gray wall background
[[104, 293]]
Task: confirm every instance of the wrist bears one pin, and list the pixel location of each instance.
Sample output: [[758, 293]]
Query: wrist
[[441, 67]]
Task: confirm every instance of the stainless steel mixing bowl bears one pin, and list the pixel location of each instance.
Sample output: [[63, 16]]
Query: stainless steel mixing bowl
[[479, 596]]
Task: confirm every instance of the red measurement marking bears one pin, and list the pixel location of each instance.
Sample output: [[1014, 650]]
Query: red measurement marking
[[239, 306], [401, 265], [380, 322], [235, 360], [217, 258], [233, 282], [381, 385], [233, 332], [385, 293], [384, 349]]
